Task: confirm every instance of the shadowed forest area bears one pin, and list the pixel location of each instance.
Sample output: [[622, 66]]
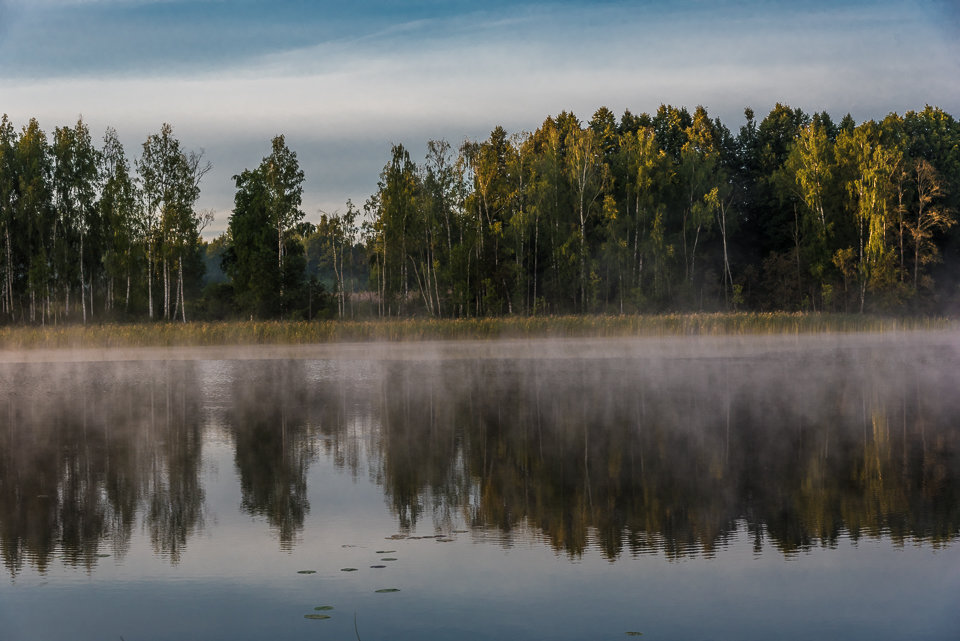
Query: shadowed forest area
[[669, 212]]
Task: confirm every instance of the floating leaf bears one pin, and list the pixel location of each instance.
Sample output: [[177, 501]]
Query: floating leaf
[[385, 551], [323, 608], [348, 569], [306, 571], [388, 558], [385, 590], [316, 617], [378, 566]]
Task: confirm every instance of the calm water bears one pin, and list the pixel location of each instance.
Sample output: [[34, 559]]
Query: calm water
[[690, 489]]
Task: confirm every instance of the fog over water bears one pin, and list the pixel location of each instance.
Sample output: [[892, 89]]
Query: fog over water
[[240, 467]]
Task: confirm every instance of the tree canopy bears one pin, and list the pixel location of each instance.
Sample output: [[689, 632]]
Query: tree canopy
[[669, 211]]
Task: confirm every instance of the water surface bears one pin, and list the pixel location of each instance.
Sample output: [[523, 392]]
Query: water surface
[[795, 488]]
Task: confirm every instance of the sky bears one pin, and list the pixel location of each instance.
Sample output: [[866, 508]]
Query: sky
[[342, 81]]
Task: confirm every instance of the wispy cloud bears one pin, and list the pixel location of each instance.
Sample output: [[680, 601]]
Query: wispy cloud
[[343, 87]]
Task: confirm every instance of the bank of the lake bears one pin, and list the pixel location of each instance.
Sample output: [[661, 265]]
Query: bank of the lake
[[112, 335]]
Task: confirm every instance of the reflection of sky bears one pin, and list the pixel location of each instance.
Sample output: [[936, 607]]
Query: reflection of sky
[[234, 582], [344, 80]]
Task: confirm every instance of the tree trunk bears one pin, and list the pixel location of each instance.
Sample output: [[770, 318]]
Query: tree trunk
[[176, 301], [183, 303], [583, 259], [336, 273], [149, 281], [280, 256], [727, 275], [166, 290], [536, 258], [9, 271]]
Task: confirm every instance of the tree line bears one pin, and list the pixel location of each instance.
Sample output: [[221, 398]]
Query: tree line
[[673, 211], [645, 213], [85, 234]]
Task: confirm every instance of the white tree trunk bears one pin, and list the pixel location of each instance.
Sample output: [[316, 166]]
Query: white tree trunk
[[149, 282], [183, 306], [83, 299]]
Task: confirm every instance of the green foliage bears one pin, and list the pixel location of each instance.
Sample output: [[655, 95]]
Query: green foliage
[[668, 212], [251, 256], [651, 213], [263, 251]]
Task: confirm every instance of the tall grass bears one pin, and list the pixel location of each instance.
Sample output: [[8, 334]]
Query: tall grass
[[301, 332]]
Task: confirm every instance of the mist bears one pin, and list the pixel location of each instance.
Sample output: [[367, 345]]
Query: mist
[[722, 431]]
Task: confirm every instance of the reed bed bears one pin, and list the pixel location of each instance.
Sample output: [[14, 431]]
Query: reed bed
[[298, 333]]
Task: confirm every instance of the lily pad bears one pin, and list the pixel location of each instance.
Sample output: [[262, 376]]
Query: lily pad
[[323, 608], [385, 551], [385, 590], [348, 569], [377, 567], [306, 571], [388, 558], [316, 617]]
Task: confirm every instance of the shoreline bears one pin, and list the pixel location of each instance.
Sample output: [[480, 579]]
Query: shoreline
[[224, 333], [649, 348]]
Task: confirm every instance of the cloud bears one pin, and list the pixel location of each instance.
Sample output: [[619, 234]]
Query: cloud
[[343, 95]]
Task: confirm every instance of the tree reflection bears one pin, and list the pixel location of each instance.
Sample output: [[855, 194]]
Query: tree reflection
[[632, 456], [85, 447], [270, 418], [175, 496], [672, 455]]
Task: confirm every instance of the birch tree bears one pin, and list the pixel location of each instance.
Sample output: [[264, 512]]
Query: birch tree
[[283, 179], [931, 216], [9, 189], [588, 177], [119, 202], [870, 167], [75, 188], [170, 182], [35, 216], [699, 167]]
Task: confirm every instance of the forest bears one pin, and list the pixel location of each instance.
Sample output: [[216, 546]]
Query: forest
[[669, 212]]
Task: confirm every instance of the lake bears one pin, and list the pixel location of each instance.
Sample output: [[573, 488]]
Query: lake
[[800, 487]]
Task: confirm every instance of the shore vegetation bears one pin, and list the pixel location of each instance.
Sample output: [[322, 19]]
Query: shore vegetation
[[274, 332]]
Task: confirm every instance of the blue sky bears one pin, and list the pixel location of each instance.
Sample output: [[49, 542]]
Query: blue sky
[[344, 80]]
